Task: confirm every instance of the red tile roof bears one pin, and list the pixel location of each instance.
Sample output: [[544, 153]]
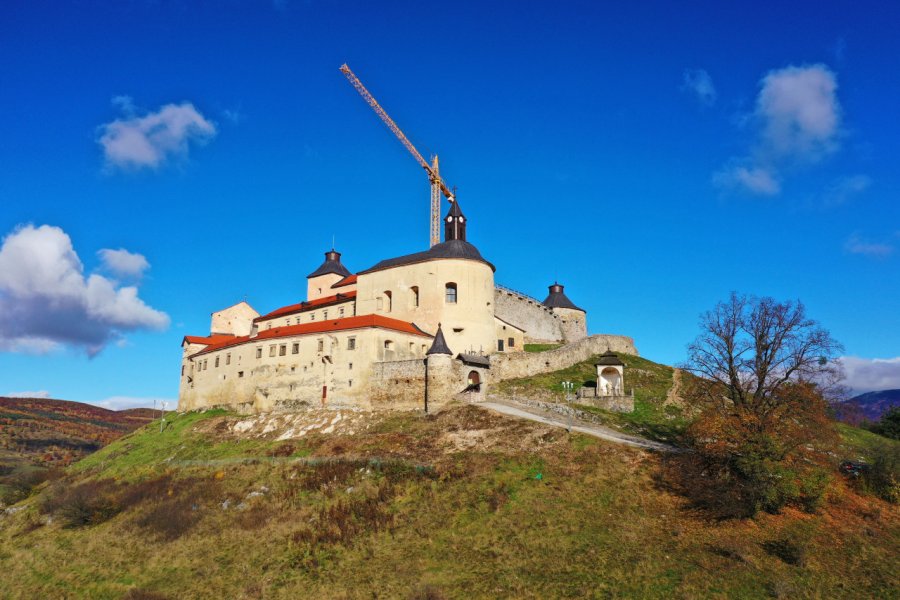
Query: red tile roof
[[207, 340], [348, 280], [359, 322], [305, 306]]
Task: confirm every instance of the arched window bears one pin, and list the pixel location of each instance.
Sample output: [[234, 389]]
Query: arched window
[[387, 301], [414, 290], [450, 293]]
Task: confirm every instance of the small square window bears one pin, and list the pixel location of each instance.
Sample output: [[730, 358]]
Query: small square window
[[259, 352], [351, 343], [295, 349], [511, 342], [240, 373], [282, 350]]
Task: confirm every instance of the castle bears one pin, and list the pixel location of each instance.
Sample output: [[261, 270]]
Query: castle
[[407, 331]]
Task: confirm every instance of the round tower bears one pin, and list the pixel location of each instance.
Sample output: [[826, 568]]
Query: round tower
[[573, 320]]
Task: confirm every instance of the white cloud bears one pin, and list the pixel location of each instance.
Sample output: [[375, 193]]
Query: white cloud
[[124, 402], [36, 394], [857, 245], [757, 180], [123, 263], [135, 142], [700, 84], [797, 121], [844, 189], [871, 374], [46, 301]]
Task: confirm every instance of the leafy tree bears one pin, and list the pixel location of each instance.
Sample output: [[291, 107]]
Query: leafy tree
[[889, 424], [764, 369]]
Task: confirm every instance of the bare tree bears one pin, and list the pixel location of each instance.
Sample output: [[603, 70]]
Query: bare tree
[[751, 349]]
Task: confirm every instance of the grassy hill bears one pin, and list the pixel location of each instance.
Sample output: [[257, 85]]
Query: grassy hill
[[38, 434], [461, 504], [653, 416]]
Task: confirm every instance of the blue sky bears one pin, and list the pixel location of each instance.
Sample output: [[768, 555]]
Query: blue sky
[[652, 158]]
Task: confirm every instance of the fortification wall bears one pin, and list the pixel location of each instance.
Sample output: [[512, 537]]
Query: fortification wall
[[538, 321], [397, 384], [524, 364]]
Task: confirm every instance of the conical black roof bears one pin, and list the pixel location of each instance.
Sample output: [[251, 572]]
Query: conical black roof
[[610, 358], [332, 264], [439, 345], [558, 299], [455, 210]]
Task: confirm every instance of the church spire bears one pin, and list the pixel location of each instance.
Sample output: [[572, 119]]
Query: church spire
[[455, 223]]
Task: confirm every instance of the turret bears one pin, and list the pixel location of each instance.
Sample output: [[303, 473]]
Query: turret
[[319, 282], [455, 223]]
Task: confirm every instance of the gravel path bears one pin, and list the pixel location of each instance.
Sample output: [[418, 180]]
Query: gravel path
[[604, 433]]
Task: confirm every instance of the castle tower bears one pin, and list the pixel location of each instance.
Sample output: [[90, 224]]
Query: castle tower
[[439, 379], [319, 282], [455, 224], [573, 319]]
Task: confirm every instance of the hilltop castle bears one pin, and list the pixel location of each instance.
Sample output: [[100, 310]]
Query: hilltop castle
[[408, 330]]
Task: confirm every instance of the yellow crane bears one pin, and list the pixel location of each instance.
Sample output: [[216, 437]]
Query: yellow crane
[[437, 184]]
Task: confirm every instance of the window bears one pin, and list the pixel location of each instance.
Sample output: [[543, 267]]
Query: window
[[272, 350], [217, 363], [450, 293], [511, 342], [379, 303], [269, 325], [387, 301], [321, 345], [415, 296], [412, 348], [499, 345], [351, 343], [182, 370], [259, 352], [298, 320], [240, 373], [282, 350], [295, 349], [350, 383], [350, 367], [324, 315], [312, 316], [341, 312], [205, 364], [228, 359], [287, 321]]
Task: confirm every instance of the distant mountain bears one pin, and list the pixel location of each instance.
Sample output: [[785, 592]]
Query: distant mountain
[[58, 432], [867, 407]]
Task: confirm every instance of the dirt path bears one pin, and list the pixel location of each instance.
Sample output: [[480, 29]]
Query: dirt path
[[673, 396], [598, 431]]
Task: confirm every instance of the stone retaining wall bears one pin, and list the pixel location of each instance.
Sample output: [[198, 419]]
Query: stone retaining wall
[[525, 364]]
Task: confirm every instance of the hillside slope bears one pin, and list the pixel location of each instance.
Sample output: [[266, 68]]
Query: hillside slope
[[461, 504], [867, 407], [37, 434]]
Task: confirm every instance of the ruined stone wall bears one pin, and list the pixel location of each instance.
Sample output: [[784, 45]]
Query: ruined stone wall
[[538, 321], [525, 364]]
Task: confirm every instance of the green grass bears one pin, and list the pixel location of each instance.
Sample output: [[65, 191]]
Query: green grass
[[860, 443], [479, 524], [649, 380], [147, 449], [541, 347]]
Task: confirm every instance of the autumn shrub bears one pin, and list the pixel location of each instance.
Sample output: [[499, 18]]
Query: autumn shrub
[[170, 518], [883, 475], [84, 504]]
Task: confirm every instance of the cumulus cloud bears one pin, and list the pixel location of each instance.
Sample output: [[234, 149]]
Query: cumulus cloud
[[123, 263], [46, 301], [698, 83], [35, 394], [858, 245], [871, 374], [125, 402], [796, 121], [150, 140]]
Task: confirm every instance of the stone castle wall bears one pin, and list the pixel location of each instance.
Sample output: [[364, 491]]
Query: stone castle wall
[[397, 384], [538, 321], [524, 364]]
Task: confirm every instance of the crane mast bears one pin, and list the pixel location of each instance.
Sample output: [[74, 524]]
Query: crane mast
[[438, 186]]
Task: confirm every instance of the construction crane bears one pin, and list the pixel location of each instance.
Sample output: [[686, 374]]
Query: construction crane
[[437, 184]]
